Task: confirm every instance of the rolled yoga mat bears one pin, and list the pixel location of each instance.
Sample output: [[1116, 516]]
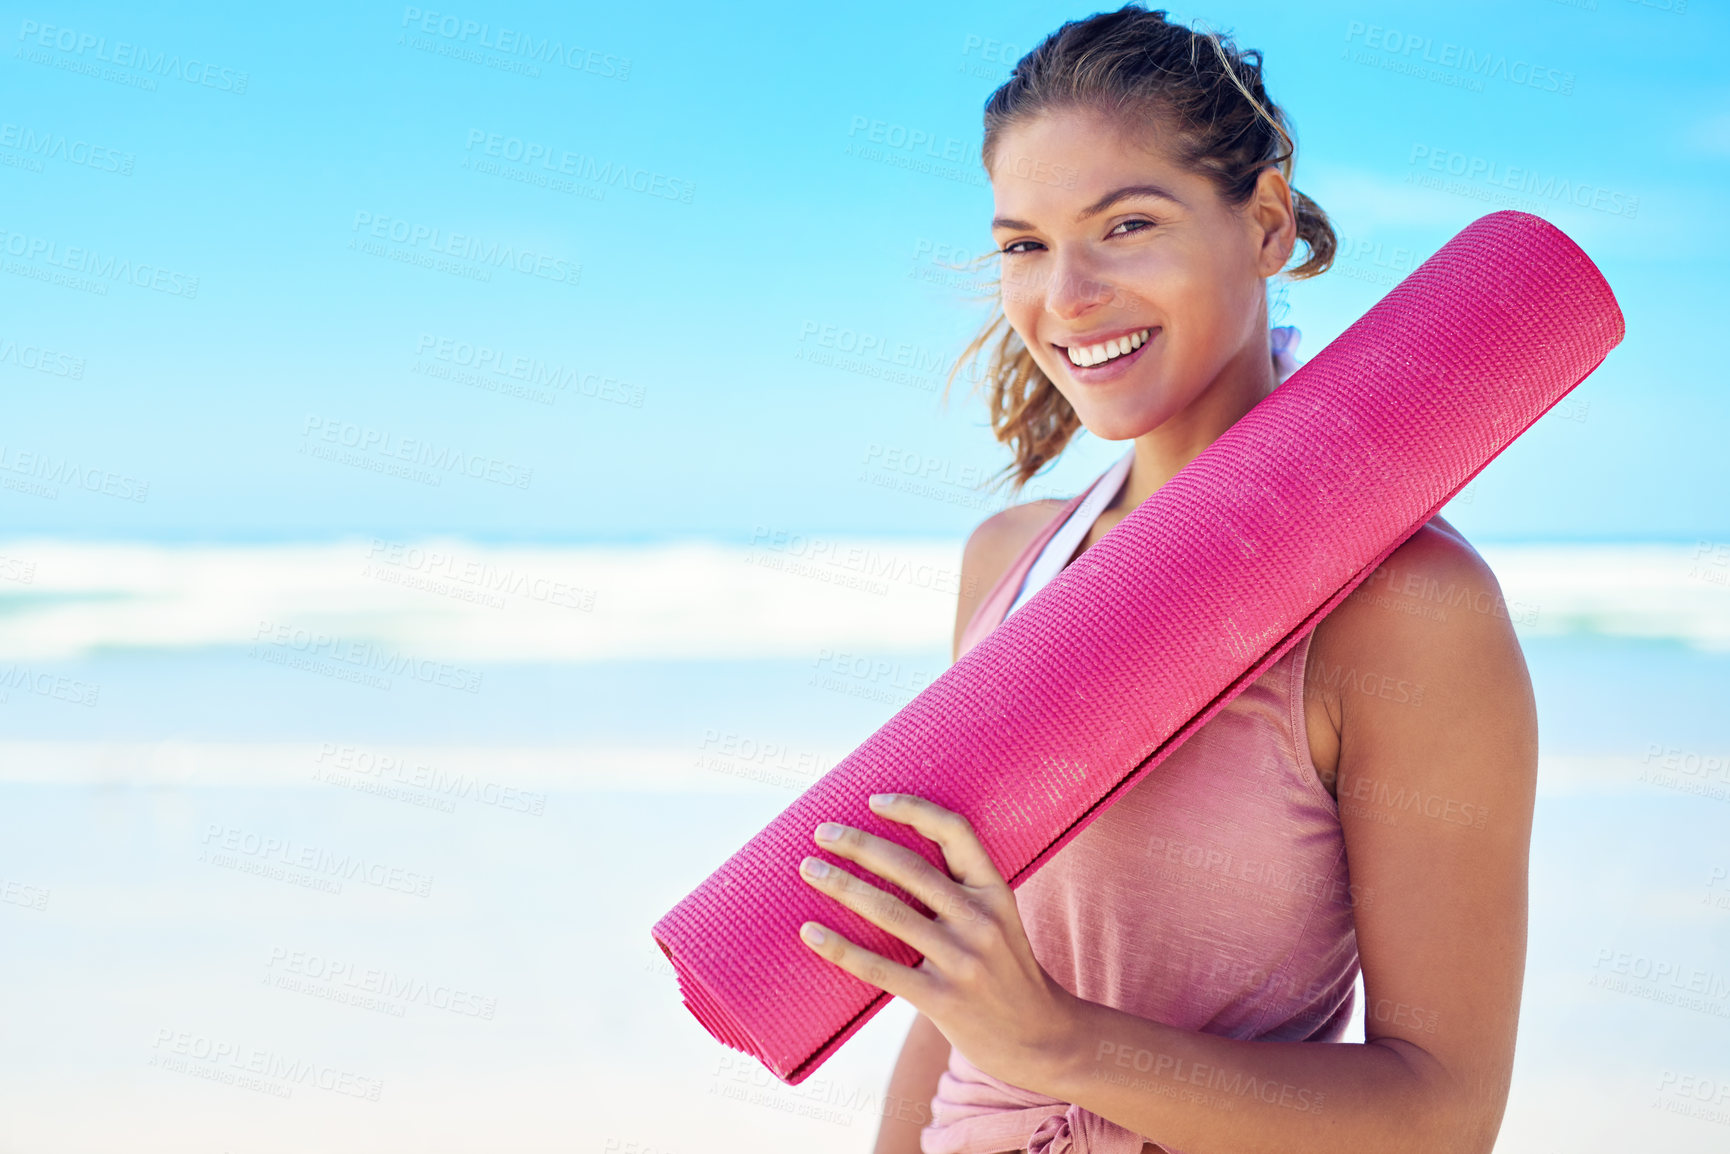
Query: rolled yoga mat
[[1048, 720]]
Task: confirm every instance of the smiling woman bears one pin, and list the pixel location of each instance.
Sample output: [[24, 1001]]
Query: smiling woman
[[1181, 975], [1187, 211]]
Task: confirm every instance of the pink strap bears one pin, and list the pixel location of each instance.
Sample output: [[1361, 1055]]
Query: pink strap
[[995, 607]]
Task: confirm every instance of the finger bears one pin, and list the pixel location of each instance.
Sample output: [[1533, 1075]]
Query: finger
[[881, 909], [879, 971], [968, 862], [914, 873]]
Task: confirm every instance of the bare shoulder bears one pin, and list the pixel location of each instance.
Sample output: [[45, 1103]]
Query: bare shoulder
[[1435, 578], [1427, 635], [991, 548]]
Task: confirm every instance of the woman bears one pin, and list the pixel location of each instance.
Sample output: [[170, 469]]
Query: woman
[[1159, 984]]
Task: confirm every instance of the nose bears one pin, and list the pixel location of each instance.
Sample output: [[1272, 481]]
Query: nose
[[1075, 288]]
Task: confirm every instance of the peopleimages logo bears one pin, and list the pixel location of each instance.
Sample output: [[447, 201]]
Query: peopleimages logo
[[514, 42], [338, 976], [46, 145], [254, 1068], [53, 470], [315, 860], [365, 655], [1525, 180], [88, 46], [582, 166], [40, 359], [414, 450], [90, 262], [1410, 52], [463, 246]]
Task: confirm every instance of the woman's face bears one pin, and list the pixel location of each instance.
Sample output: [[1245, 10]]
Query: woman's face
[[1106, 241]]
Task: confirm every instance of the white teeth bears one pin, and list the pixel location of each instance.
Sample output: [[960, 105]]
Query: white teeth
[[1107, 350]]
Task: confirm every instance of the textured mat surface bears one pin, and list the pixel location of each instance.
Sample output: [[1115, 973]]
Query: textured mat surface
[[1040, 727]]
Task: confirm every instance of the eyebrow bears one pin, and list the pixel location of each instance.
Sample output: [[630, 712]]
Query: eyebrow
[[1100, 205]]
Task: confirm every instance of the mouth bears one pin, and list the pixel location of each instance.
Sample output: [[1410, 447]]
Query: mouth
[[1107, 358]]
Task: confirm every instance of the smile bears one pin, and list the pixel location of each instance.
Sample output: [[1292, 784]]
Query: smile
[[1086, 356]]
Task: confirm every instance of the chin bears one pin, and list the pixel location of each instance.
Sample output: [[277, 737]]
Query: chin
[[1115, 426], [1120, 422]]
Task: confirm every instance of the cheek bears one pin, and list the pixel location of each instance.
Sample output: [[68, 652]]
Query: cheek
[[1214, 313], [1022, 313], [1183, 292], [1193, 290], [1229, 295]]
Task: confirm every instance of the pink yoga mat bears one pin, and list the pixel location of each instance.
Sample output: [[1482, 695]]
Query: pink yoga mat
[[1049, 719]]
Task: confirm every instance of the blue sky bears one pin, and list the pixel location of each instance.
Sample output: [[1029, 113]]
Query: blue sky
[[307, 199]]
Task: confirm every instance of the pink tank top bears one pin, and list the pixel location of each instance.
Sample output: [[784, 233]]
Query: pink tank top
[[1214, 896]]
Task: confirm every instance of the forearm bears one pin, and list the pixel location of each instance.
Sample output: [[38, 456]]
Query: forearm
[[1204, 1094], [912, 1085]]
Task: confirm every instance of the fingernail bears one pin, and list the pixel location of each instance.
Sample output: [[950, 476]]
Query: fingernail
[[812, 934], [828, 831], [881, 799], [816, 868]]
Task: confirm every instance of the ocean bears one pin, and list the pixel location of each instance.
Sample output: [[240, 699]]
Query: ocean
[[356, 846]]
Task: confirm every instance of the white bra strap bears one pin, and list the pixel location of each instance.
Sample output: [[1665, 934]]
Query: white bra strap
[[1063, 543]]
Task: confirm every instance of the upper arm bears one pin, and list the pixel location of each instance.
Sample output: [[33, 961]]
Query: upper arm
[[1437, 781], [991, 548]]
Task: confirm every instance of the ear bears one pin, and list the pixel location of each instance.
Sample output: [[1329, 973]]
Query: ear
[[1272, 220]]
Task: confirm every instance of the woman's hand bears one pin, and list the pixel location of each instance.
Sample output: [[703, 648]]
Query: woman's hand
[[978, 981]]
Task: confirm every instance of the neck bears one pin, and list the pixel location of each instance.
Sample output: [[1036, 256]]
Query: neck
[[1162, 451]]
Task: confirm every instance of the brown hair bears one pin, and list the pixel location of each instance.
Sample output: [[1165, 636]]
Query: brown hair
[[1135, 62]]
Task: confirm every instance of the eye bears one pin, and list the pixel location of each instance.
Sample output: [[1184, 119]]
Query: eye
[[1013, 248], [1120, 224]]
